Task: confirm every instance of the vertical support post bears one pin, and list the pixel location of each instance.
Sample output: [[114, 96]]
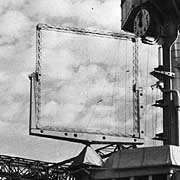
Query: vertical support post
[[167, 96], [30, 111], [175, 56], [136, 116], [38, 73], [150, 178], [168, 177], [169, 115]]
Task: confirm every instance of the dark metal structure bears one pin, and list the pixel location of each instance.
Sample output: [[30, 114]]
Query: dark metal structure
[[18, 168], [21, 168], [158, 21], [27, 169], [139, 164]]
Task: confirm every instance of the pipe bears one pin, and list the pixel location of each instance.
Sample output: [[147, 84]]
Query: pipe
[[177, 105]]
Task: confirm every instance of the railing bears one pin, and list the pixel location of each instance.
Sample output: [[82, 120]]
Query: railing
[[20, 168]]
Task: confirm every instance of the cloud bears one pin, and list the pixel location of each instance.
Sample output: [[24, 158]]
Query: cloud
[[11, 5], [100, 119], [85, 98], [54, 8], [14, 94], [90, 83], [6, 53], [9, 111], [3, 77], [87, 13], [99, 14], [15, 36], [83, 82], [19, 84], [14, 26], [59, 67], [16, 142]]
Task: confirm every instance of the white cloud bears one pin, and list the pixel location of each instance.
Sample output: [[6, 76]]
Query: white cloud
[[14, 26], [82, 78], [57, 65], [3, 77], [16, 142], [99, 14], [14, 94], [87, 13], [11, 5], [19, 84], [45, 9], [9, 111], [6, 53], [54, 8]]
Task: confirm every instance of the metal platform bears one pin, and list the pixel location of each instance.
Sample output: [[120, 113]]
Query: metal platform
[[18, 168], [157, 162], [21, 168], [87, 138]]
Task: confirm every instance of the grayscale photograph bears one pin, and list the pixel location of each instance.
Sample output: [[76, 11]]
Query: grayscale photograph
[[90, 90]]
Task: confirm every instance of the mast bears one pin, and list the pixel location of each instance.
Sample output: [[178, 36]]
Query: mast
[[175, 57]]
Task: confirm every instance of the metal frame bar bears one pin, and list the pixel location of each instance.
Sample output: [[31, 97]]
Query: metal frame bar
[[85, 138], [82, 31]]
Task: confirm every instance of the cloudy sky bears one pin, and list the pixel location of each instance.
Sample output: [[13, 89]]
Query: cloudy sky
[[18, 19], [84, 82]]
